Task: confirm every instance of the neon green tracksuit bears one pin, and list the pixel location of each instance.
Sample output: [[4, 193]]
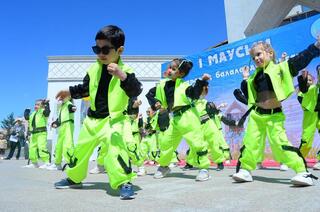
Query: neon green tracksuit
[[211, 134], [102, 151], [149, 144], [64, 145], [311, 120], [220, 137], [112, 131], [134, 146], [38, 141], [184, 124], [270, 124]]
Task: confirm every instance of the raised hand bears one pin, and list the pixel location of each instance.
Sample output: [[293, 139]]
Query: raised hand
[[114, 70], [304, 73], [137, 103], [157, 105], [283, 56], [245, 72], [206, 76], [53, 125], [222, 105]]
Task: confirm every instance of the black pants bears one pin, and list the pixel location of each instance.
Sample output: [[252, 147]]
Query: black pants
[[25, 146], [2, 152], [13, 147]]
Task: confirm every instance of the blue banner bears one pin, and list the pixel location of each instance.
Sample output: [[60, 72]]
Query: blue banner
[[225, 64]]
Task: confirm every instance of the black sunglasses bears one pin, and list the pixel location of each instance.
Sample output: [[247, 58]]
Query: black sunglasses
[[104, 50]]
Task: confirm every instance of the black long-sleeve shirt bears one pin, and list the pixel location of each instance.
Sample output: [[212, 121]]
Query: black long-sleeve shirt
[[46, 111], [130, 109], [295, 63], [130, 85], [192, 92], [240, 96]]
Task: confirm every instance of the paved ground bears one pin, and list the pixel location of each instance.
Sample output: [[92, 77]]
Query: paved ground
[[25, 189]]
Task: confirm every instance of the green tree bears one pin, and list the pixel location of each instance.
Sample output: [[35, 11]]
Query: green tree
[[8, 123]]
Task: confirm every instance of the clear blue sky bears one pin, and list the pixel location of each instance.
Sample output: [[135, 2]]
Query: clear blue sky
[[32, 30]]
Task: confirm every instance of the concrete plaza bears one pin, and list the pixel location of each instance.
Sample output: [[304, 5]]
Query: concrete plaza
[[24, 189]]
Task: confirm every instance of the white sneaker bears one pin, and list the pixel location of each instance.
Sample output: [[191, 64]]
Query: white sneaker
[[31, 165], [161, 172], [283, 167], [97, 170], [141, 171], [242, 176], [44, 166], [55, 167], [172, 165], [203, 175], [316, 166], [302, 179]]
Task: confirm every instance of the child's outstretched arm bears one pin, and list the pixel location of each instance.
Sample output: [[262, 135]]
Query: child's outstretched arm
[[129, 83], [238, 94], [303, 82], [46, 105], [303, 59], [153, 102], [133, 106], [26, 114], [195, 91], [77, 91]]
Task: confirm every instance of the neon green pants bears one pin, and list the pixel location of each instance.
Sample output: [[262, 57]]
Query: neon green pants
[[213, 138], [282, 149], [310, 123], [175, 158], [64, 143], [134, 150], [223, 145], [116, 161], [187, 126], [102, 152], [149, 147], [38, 147]]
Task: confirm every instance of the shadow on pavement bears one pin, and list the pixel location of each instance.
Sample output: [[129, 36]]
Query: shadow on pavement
[[272, 180], [105, 187]]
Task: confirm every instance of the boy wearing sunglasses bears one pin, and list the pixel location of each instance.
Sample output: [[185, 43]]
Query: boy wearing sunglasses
[[109, 83]]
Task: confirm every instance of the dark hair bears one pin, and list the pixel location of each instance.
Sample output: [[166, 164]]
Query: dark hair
[[184, 65], [317, 69], [113, 34]]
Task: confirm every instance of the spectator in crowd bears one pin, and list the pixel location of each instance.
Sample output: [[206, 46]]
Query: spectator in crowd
[[3, 145], [16, 138]]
